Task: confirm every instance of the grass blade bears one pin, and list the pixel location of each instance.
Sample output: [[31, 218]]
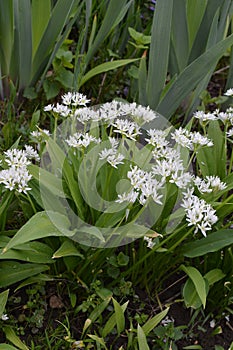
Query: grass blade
[[105, 67], [111, 19]]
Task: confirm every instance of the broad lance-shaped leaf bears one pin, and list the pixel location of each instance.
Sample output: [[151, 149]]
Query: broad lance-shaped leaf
[[198, 281], [12, 271], [67, 249], [35, 252], [120, 318], [154, 321], [212, 243], [142, 339], [40, 226]]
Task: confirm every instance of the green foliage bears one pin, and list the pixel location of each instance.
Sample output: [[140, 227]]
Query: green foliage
[[184, 52], [35, 30]]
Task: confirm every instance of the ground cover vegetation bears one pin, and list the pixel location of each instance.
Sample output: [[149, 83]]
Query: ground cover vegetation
[[116, 178]]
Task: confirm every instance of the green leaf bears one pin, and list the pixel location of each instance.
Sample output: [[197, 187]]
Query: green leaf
[[214, 276], [39, 226], [198, 281], [23, 11], [110, 324], [48, 180], [195, 12], [122, 259], [120, 318], [12, 272], [154, 321], [212, 243], [67, 249], [6, 34], [3, 301], [7, 347], [212, 160], [98, 340], [190, 295], [41, 11], [35, 252], [13, 338], [142, 81], [95, 314], [140, 38], [142, 339], [190, 77], [105, 67], [159, 51], [115, 12]]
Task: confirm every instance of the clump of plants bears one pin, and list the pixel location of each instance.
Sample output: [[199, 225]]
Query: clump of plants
[[114, 195]]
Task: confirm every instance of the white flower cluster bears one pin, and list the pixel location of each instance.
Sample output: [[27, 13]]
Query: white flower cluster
[[70, 100], [209, 184], [75, 99], [40, 135], [189, 139], [225, 117], [109, 111], [198, 212], [112, 155], [16, 176], [167, 166], [144, 185], [127, 128], [79, 140]]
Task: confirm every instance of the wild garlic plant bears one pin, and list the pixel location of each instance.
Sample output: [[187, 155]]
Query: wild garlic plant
[[129, 179]]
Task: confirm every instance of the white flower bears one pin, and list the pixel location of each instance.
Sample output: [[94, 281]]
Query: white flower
[[115, 159], [230, 132], [198, 139], [181, 179], [181, 136], [31, 153], [85, 114], [157, 138], [74, 99], [202, 116], [4, 317], [48, 108], [229, 92], [150, 243], [130, 197], [64, 111], [40, 135], [127, 128], [81, 140], [223, 116]]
